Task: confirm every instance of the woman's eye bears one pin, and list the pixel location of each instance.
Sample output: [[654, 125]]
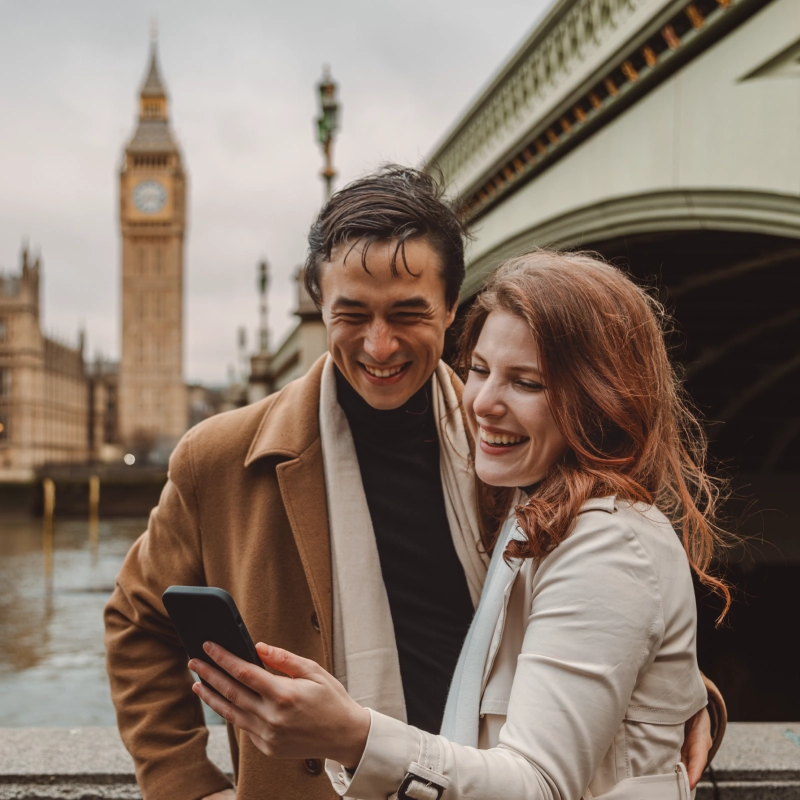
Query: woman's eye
[[531, 386], [479, 370]]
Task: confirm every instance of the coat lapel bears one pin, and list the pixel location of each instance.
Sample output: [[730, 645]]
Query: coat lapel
[[289, 432]]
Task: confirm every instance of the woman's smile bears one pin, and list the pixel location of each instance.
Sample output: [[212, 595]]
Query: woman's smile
[[492, 439]]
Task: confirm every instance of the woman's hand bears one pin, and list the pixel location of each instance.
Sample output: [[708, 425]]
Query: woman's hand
[[305, 715], [696, 745]]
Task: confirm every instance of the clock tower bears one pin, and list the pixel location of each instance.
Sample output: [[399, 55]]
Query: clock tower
[[153, 411]]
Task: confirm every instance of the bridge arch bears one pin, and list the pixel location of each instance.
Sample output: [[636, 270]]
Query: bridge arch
[[674, 211]]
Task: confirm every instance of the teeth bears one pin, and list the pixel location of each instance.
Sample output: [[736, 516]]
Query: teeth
[[500, 438], [384, 373]]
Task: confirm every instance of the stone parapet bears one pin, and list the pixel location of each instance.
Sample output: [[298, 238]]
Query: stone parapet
[[757, 761], [78, 763]]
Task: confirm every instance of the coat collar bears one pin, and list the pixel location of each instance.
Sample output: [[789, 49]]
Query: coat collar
[[290, 424]]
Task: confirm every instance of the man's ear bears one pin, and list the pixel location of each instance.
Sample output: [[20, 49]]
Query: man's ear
[[451, 314]]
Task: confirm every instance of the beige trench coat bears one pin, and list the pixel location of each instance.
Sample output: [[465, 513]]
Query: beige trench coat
[[591, 674]]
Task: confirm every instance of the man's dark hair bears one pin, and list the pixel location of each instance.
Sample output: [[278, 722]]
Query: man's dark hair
[[393, 203]]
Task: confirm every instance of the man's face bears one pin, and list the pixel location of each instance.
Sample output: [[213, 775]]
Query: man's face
[[386, 334]]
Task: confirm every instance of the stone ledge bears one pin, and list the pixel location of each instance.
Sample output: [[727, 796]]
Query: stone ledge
[[78, 763], [757, 761]]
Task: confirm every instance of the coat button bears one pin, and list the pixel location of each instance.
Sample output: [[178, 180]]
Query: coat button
[[315, 621], [313, 766]]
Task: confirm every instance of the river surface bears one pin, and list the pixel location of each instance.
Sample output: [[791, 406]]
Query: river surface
[[52, 659]]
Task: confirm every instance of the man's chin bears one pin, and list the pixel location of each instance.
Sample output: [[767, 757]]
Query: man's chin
[[384, 398]]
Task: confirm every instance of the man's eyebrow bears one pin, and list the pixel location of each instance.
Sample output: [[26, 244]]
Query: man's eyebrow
[[347, 302], [412, 302]]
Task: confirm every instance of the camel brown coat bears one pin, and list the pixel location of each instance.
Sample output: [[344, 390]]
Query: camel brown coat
[[243, 509]]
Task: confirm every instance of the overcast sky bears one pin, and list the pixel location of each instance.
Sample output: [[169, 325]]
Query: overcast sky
[[241, 78]]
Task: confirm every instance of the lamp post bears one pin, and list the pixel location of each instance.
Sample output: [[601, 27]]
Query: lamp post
[[327, 125], [263, 282]]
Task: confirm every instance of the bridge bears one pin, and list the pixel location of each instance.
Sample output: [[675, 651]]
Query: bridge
[[665, 135]]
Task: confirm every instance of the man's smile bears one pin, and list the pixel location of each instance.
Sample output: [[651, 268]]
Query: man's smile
[[385, 372]]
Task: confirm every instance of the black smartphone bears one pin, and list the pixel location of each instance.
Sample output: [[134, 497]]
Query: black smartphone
[[203, 614]]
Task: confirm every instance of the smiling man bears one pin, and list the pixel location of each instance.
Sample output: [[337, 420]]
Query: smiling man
[[340, 512]]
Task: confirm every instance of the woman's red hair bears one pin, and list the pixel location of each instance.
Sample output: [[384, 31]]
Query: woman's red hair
[[615, 397]]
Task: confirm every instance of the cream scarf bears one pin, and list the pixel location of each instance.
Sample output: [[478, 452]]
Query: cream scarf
[[365, 656]]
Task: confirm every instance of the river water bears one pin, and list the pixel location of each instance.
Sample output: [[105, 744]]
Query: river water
[[52, 660]]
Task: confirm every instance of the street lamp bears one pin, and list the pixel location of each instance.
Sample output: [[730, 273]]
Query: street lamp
[[327, 125], [263, 281]]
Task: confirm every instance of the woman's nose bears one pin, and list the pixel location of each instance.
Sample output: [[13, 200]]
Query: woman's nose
[[488, 402]]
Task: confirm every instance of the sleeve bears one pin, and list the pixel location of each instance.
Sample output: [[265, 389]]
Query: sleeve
[[595, 622], [160, 719]]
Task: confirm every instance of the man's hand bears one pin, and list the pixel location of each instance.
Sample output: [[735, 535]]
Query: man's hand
[[225, 794], [696, 745]]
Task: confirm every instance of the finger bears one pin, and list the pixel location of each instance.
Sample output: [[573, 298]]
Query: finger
[[228, 711], [289, 663], [253, 677], [257, 680], [695, 760], [694, 770], [231, 690]]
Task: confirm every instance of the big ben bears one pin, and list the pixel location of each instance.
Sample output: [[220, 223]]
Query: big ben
[[152, 199]]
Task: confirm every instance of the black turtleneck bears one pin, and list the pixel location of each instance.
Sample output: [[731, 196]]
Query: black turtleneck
[[398, 456]]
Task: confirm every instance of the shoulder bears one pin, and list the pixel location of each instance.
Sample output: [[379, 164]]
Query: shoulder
[[620, 520], [601, 574], [284, 423], [623, 536]]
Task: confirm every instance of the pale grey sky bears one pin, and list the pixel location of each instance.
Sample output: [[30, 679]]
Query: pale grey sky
[[241, 78]]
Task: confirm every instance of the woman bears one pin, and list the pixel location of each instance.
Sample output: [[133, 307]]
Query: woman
[[579, 669]]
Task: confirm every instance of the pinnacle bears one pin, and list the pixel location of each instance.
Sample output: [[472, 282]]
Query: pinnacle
[[153, 85]]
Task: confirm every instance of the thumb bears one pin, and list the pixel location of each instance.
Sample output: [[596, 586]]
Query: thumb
[[288, 663]]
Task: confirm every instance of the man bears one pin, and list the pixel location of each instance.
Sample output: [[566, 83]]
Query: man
[[335, 511]]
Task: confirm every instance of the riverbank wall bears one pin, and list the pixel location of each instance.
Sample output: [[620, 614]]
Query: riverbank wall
[[124, 491]]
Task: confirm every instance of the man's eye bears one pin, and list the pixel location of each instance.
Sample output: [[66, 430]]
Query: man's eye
[[408, 316], [353, 317]]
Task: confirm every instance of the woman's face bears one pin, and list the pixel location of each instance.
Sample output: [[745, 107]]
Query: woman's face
[[507, 408]]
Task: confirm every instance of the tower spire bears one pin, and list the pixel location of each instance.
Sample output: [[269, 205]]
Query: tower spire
[[153, 84]]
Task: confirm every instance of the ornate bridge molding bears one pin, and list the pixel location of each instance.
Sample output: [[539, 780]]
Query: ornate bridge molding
[[679, 210], [582, 65]]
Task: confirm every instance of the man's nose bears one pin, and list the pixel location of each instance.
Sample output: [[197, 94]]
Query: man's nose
[[489, 401], [380, 342]]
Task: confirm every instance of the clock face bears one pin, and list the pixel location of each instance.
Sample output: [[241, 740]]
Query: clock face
[[149, 197]]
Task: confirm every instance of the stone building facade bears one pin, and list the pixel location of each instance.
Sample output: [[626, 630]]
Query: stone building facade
[[152, 397], [45, 401]]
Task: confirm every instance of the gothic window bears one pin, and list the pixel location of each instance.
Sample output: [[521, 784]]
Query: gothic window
[[158, 260], [3, 329], [141, 260], [4, 435], [5, 382]]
